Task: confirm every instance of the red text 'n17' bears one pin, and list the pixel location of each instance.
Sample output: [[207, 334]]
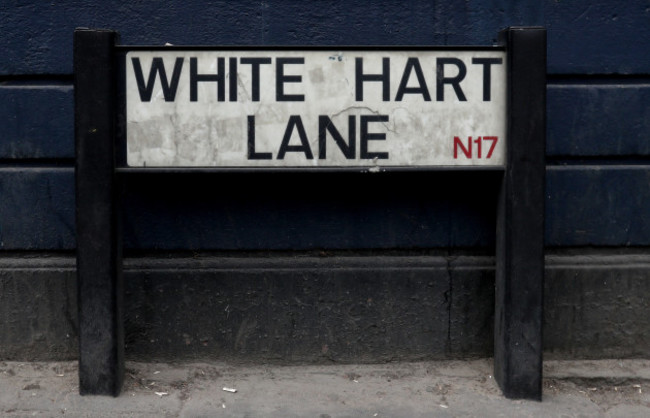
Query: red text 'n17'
[[477, 151]]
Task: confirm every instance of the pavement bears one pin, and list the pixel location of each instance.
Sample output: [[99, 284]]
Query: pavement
[[603, 388]]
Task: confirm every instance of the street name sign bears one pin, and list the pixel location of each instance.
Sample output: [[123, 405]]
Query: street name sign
[[209, 110], [315, 108]]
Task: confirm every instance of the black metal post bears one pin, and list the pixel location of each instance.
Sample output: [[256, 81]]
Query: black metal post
[[520, 234], [99, 264]]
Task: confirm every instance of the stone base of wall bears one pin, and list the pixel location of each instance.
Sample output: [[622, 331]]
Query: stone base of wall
[[306, 308]]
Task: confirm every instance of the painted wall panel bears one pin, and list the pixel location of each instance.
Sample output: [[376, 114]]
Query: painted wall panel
[[597, 205], [37, 208], [39, 36], [598, 37], [37, 121], [586, 206], [584, 36], [598, 120]]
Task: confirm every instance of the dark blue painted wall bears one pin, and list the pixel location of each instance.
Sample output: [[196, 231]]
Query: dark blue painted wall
[[597, 144]]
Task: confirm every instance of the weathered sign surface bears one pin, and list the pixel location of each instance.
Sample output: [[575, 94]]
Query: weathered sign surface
[[315, 108]]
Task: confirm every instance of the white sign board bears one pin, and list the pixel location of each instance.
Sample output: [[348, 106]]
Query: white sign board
[[315, 108]]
